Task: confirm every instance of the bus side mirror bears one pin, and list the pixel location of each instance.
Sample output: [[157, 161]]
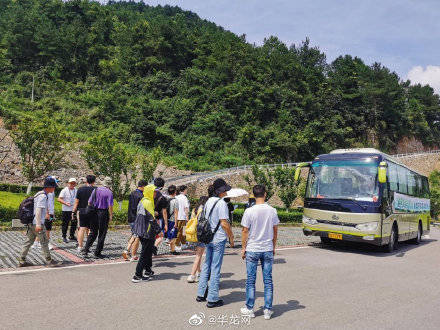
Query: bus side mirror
[[382, 172], [297, 173]]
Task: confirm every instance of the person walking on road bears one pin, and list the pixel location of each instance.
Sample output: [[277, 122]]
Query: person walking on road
[[182, 216], [79, 209], [37, 228], [216, 249], [173, 207], [259, 239], [133, 202], [161, 215], [144, 217], [102, 200], [200, 247], [67, 199]]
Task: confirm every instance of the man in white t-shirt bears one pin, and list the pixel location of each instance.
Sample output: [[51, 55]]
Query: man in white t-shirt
[[259, 238], [37, 229], [182, 216], [67, 199]]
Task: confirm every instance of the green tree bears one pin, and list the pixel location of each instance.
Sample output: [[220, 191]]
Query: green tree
[[41, 144], [264, 177], [287, 187], [106, 156], [434, 181], [148, 162]]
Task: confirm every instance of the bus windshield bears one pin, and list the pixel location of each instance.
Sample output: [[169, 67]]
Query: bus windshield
[[344, 179]]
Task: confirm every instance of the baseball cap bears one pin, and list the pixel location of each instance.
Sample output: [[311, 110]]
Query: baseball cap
[[220, 186], [71, 180]]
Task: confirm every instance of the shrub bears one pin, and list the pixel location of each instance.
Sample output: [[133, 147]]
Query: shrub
[[285, 217]]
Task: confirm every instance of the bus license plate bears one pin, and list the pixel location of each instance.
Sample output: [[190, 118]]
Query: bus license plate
[[334, 236]]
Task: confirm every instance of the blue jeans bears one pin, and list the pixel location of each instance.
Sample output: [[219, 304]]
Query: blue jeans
[[252, 259], [212, 266]]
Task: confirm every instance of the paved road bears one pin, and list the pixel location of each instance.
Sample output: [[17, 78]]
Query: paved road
[[316, 287]]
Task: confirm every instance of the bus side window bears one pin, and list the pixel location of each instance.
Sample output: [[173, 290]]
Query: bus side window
[[419, 183], [425, 187], [403, 180], [392, 177], [412, 184]]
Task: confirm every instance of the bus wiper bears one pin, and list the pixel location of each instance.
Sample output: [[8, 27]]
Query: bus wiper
[[363, 207]]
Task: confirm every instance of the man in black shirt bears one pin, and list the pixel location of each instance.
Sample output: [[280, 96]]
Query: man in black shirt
[[160, 209], [133, 201], [79, 208]]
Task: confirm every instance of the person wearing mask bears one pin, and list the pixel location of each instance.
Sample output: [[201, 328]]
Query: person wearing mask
[[173, 206], [215, 249], [182, 216], [102, 200], [145, 214], [67, 199], [259, 239], [133, 202], [200, 247], [79, 209], [37, 229]]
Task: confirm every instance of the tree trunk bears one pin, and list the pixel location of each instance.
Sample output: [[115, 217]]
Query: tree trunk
[[29, 188], [120, 205]]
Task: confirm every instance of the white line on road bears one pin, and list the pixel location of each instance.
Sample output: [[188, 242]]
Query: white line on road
[[13, 272]]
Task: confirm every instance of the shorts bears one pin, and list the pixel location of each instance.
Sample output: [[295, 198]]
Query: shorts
[[48, 224], [84, 220]]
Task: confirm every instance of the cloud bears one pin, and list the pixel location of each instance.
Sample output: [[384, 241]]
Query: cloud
[[429, 76]]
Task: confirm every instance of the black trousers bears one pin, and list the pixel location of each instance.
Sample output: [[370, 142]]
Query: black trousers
[[98, 228], [146, 257], [67, 217]]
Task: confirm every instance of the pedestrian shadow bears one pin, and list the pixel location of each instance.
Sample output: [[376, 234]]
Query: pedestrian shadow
[[280, 309], [239, 296], [279, 261], [169, 276], [171, 264], [232, 284]]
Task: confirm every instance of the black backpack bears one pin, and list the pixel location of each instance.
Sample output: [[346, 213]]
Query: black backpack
[[26, 210], [204, 230]]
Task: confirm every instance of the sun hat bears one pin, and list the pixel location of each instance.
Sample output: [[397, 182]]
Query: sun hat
[[71, 180], [220, 186]]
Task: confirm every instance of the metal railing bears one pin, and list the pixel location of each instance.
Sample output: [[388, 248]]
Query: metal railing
[[183, 179]]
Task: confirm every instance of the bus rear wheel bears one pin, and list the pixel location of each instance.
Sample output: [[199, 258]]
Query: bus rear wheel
[[391, 246], [418, 239], [325, 240]]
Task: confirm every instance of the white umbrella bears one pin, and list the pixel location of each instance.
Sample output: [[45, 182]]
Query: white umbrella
[[236, 192]]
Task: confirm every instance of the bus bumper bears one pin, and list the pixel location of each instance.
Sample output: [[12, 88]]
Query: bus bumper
[[369, 239]]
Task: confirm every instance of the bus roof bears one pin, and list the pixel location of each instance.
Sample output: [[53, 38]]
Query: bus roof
[[361, 152]]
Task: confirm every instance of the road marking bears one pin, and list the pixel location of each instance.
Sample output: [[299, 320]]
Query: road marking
[[91, 264]]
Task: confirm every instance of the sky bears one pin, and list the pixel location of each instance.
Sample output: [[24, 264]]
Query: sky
[[403, 35]]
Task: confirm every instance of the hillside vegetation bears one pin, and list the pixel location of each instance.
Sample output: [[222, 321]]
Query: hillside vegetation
[[161, 76]]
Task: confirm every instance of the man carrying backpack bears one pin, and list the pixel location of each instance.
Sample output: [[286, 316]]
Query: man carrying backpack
[[217, 213], [36, 227]]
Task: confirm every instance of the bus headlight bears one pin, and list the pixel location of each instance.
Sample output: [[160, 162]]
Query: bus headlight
[[369, 226], [309, 221]]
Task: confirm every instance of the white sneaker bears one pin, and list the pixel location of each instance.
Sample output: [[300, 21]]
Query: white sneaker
[[36, 245], [78, 249], [178, 248], [50, 246], [245, 311], [184, 246], [191, 279], [267, 314]]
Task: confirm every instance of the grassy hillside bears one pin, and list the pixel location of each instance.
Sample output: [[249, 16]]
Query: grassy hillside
[[161, 76]]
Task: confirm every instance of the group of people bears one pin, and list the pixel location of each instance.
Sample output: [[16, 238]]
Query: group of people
[[168, 210], [89, 206]]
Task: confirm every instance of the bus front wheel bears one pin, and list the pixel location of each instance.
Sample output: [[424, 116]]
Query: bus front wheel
[[419, 235], [391, 246]]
